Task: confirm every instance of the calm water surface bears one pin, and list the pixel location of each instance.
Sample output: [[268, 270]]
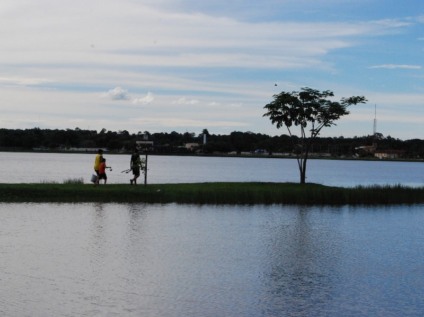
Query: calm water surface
[[185, 260], [47, 167]]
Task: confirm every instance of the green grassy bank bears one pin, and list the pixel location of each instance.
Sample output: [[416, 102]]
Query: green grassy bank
[[213, 193]]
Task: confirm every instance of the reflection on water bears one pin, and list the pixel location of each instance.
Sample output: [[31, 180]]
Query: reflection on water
[[303, 261], [182, 260]]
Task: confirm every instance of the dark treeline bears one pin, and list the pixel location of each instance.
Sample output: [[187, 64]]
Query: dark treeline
[[174, 142]]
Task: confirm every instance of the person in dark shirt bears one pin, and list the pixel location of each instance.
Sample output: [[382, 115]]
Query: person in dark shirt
[[135, 165]]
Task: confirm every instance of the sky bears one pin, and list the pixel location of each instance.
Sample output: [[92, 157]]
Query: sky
[[190, 65]]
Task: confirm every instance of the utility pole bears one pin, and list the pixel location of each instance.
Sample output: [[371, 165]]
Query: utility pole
[[146, 139], [146, 145], [145, 167]]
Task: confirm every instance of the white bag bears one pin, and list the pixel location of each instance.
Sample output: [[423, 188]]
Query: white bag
[[93, 178]]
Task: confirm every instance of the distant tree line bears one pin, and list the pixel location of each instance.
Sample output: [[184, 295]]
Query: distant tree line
[[175, 143]]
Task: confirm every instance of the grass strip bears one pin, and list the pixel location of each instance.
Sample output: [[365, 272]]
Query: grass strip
[[213, 193]]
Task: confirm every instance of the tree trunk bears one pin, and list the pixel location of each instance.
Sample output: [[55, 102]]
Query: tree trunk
[[302, 177], [302, 158], [303, 171]]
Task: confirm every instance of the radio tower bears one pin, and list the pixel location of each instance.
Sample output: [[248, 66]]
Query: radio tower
[[375, 128]]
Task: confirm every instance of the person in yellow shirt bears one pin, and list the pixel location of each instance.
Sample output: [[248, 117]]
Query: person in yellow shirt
[[97, 162]]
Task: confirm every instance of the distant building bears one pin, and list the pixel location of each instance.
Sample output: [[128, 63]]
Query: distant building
[[191, 146], [389, 154], [366, 149], [144, 144]]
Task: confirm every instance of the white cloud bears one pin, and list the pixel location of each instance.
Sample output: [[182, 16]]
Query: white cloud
[[185, 101], [144, 100], [396, 66], [401, 100], [23, 81], [117, 93]]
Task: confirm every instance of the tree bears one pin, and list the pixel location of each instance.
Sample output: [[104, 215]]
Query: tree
[[310, 110]]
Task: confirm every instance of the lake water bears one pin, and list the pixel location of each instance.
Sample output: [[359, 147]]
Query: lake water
[[46, 167], [184, 260], [188, 260]]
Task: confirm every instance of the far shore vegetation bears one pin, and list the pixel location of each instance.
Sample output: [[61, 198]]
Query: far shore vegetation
[[236, 143], [74, 191]]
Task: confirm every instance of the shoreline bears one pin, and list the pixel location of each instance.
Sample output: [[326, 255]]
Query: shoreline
[[212, 193]]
